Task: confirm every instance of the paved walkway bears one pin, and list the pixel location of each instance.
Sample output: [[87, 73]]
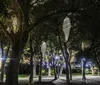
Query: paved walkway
[[77, 80]]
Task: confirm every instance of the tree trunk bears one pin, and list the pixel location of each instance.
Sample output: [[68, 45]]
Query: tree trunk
[[54, 67], [98, 71], [4, 61], [49, 69], [2, 71], [61, 70], [57, 71], [45, 68], [40, 68], [98, 65], [34, 70], [83, 69], [92, 70], [13, 66], [67, 68], [70, 71], [31, 64], [66, 57]]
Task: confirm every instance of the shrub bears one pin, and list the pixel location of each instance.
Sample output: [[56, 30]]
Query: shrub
[[24, 69]]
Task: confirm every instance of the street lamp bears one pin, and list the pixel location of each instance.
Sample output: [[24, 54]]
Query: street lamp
[[66, 30], [43, 50]]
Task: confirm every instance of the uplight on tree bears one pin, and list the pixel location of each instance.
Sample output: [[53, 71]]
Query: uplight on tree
[[15, 23]]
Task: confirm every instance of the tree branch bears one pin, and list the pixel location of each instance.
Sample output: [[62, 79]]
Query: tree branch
[[45, 17], [4, 30], [35, 2]]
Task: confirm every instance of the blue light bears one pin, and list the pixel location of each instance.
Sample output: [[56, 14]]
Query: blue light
[[83, 59], [56, 57], [2, 58]]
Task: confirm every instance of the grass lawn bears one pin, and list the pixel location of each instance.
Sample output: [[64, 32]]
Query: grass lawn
[[22, 75], [79, 74]]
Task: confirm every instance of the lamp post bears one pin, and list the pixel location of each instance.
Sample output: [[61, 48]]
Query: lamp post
[[43, 49], [66, 30]]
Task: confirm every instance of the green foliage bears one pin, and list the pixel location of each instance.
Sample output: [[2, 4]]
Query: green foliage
[[24, 69], [51, 72], [77, 70]]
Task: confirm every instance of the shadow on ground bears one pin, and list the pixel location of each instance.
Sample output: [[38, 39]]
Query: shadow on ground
[[89, 81], [42, 83], [61, 83], [51, 83]]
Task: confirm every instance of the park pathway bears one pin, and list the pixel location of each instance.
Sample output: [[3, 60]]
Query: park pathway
[[77, 80]]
